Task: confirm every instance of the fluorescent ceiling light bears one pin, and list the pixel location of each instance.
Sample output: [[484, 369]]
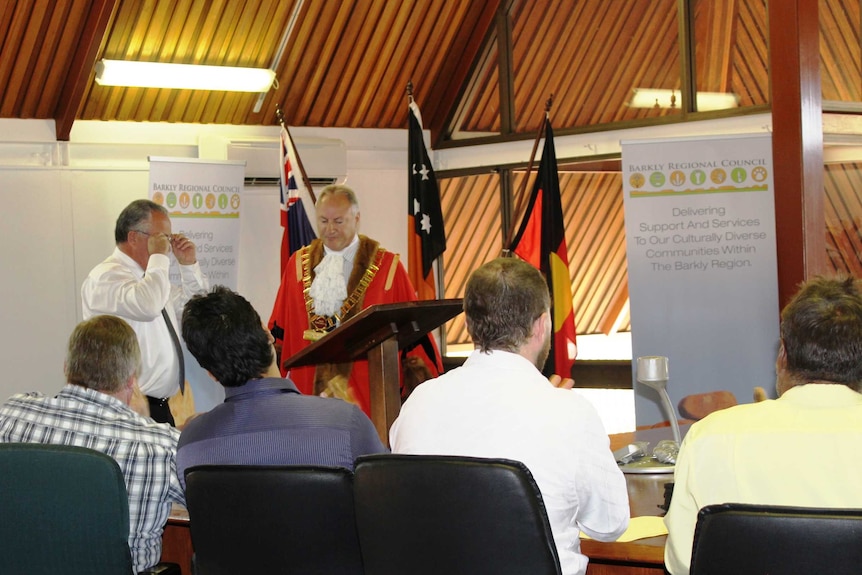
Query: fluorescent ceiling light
[[706, 101], [183, 76]]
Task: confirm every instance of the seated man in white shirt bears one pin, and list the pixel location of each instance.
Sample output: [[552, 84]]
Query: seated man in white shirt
[[498, 404], [797, 450]]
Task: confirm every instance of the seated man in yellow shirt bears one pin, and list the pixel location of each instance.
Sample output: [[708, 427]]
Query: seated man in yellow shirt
[[799, 449]]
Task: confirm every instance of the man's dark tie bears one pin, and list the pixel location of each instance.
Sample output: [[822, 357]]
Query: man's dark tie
[[179, 349]]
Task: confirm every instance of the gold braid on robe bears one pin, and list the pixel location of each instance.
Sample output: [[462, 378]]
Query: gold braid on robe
[[332, 378]]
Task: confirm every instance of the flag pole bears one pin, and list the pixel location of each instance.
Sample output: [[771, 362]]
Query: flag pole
[[280, 115], [522, 198]]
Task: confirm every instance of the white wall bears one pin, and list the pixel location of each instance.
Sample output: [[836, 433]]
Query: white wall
[[37, 308], [60, 202]]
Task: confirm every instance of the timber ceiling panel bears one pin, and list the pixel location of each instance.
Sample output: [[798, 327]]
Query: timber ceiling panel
[[602, 51], [345, 64], [588, 54], [840, 58], [731, 49], [843, 206], [595, 237], [471, 215], [37, 47]]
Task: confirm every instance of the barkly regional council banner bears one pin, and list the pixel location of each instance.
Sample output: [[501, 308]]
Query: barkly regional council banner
[[700, 242], [203, 200]]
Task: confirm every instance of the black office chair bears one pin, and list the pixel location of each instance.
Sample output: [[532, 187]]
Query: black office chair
[[742, 539], [272, 519], [65, 510], [434, 515]]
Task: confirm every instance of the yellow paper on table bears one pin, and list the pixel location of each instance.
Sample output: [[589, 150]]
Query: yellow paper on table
[[640, 528]]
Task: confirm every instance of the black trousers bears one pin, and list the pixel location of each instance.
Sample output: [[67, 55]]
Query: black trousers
[[160, 410]]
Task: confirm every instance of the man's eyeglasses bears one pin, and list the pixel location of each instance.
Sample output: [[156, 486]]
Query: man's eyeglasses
[[148, 234]]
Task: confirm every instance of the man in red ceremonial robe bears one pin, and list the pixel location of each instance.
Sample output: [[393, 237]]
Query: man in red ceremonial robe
[[328, 282]]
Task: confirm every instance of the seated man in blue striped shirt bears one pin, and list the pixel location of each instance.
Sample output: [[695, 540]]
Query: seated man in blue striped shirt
[[92, 410], [264, 419]]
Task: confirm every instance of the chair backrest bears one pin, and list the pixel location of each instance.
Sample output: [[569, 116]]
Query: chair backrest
[[699, 405], [742, 539], [272, 519], [429, 514], [64, 509]]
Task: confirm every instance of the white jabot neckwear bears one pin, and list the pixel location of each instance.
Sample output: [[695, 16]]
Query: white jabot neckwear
[[329, 288]]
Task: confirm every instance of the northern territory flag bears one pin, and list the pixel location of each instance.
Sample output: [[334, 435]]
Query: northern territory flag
[[426, 238]]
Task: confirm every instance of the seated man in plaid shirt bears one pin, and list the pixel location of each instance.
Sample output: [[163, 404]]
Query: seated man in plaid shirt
[[92, 410]]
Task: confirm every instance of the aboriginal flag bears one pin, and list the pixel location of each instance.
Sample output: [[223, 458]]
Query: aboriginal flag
[[541, 241]]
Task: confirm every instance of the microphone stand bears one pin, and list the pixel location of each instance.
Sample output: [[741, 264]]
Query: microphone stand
[[652, 372], [661, 388]]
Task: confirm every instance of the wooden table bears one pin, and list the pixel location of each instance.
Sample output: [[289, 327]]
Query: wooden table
[[641, 557], [177, 540], [646, 494]]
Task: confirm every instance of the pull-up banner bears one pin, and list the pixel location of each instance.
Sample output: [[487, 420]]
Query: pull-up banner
[[700, 242], [203, 200]]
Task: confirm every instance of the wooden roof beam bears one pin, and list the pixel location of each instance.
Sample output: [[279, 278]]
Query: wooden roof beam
[[797, 142], [89, 46], [460, 71]]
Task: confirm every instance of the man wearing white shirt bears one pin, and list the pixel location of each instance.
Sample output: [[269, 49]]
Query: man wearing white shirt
[[133, 283], [498, 404]]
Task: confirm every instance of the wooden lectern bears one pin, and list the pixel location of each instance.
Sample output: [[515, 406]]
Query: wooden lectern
[[378, 333]]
